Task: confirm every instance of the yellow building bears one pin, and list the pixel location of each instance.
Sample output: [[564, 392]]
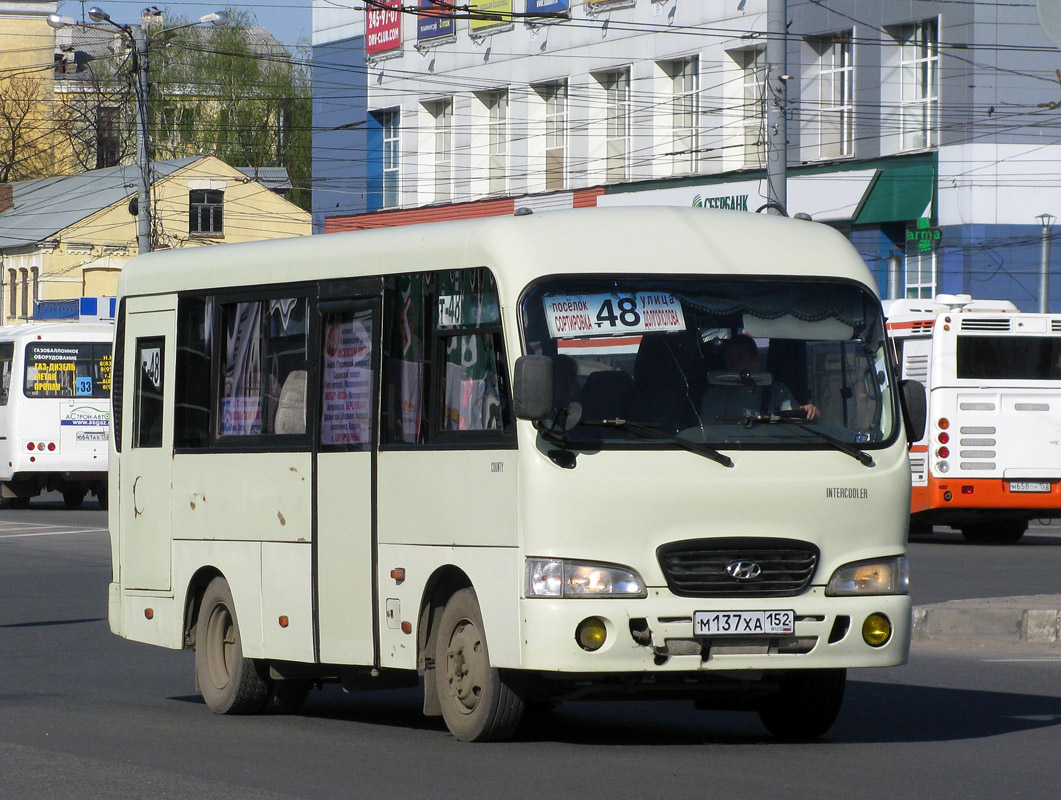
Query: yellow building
[[27, 65], [68, 237]]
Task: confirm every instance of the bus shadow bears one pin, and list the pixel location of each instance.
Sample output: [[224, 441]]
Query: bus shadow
[[873, 713], [948, 538]]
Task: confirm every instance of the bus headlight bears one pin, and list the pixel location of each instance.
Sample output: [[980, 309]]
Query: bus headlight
[[879, 576], [555, 577]]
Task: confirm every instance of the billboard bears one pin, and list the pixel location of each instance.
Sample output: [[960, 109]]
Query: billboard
[[490, 15], [434, 23], [548, 6], [383, 28]]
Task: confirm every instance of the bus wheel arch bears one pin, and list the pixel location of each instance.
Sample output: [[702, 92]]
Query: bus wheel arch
[[229, 681], [479, 702], [440, 587], [193, 599]]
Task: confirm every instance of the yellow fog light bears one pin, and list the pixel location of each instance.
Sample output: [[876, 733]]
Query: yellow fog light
[[591, 633], [876, 630]]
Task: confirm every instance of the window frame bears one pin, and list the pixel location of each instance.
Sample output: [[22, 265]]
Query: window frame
[[216, 211], [830, 70], [918, 45]]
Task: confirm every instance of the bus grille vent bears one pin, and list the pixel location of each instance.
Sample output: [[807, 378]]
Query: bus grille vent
[[999, 324], [703, 567], [1055, 326]]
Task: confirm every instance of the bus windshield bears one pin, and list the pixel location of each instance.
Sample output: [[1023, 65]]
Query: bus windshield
[[714, 361]]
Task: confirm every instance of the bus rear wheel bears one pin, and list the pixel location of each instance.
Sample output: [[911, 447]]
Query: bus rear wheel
[[1003, 532], [479, 702], [229, 682], [805, 704]]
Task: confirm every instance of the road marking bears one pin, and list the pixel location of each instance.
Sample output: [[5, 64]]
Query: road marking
[[66, 532], [1021, 660]]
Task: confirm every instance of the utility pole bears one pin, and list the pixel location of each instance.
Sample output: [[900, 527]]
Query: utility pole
[[776, 106], [143, 157], [1046, 222]]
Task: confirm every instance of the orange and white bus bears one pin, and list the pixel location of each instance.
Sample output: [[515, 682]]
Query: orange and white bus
[[991, 457]]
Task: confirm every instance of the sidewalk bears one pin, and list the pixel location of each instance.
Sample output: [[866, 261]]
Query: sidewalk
[[1035, 618]]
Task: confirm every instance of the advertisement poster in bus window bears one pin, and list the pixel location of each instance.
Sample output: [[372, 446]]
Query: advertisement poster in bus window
[[346, 416], [383, 28], [241, 399], [490, 16], [434, 23], [68, 369]]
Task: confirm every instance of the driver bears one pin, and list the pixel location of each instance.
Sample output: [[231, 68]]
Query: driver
[[740, 355]]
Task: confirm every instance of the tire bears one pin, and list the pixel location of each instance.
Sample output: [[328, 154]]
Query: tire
[[287, 696], [1004, 532], [73, 498], [805, 705], [229, 682], [479, 703], [19, 503]]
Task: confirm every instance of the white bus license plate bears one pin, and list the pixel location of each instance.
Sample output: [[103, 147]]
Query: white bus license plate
[[743, 623], [1029, 486]]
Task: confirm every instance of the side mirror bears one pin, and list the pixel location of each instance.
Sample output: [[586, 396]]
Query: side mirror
[[532, 388], [915, 409]]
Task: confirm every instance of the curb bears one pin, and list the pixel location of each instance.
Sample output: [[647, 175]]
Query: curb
[[1035, 618]]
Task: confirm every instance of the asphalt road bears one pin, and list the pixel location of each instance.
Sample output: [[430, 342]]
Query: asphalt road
[[84, 714]]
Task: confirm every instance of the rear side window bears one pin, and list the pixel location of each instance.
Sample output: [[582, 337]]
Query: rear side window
[[7, 352]]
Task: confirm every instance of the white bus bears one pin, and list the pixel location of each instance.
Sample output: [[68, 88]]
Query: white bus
[[991, 459], [474, 452], [55, 384]]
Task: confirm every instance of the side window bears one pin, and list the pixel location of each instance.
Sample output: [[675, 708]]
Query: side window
[[404, 368], [472, 396], [191, 427], [348, 377], [7, 353], [444, 368], [148, 392], [264, 369]]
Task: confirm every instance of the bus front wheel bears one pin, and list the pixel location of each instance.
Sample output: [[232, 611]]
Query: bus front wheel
[[805, 704], [229, 682], [479, 702]]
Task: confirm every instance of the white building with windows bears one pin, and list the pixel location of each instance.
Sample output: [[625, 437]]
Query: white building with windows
[[900, 117]]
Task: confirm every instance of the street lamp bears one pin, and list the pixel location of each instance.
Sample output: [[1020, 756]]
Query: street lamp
[[1046, 222], [138, 36]]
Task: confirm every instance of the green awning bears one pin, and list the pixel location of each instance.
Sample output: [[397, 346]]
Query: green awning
[[897, 194]]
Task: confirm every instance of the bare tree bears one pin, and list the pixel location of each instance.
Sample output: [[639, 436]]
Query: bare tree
[[26, 132]]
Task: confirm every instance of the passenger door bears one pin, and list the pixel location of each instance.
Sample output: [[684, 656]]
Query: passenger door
[[345, 476], [146, 450]]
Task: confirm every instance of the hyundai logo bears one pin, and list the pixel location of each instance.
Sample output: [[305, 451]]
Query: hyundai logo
[[744, 570]]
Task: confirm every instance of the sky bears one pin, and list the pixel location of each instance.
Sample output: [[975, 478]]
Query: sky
[[288, 20]]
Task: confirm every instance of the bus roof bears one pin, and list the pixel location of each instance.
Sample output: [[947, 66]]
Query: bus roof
[[520, 249], [61, 331]]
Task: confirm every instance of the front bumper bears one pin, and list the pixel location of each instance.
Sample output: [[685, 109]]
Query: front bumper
[[655, 634]]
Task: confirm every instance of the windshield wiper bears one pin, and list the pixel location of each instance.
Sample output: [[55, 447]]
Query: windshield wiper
[[646, 430], [773, 419]]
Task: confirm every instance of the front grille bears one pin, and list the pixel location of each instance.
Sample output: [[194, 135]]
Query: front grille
[[697, 568]]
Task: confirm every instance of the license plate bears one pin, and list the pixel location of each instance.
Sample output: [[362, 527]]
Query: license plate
[[1029, 486], [743, 623]]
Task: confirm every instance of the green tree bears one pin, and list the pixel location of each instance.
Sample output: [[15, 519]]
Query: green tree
[[234, 92]]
